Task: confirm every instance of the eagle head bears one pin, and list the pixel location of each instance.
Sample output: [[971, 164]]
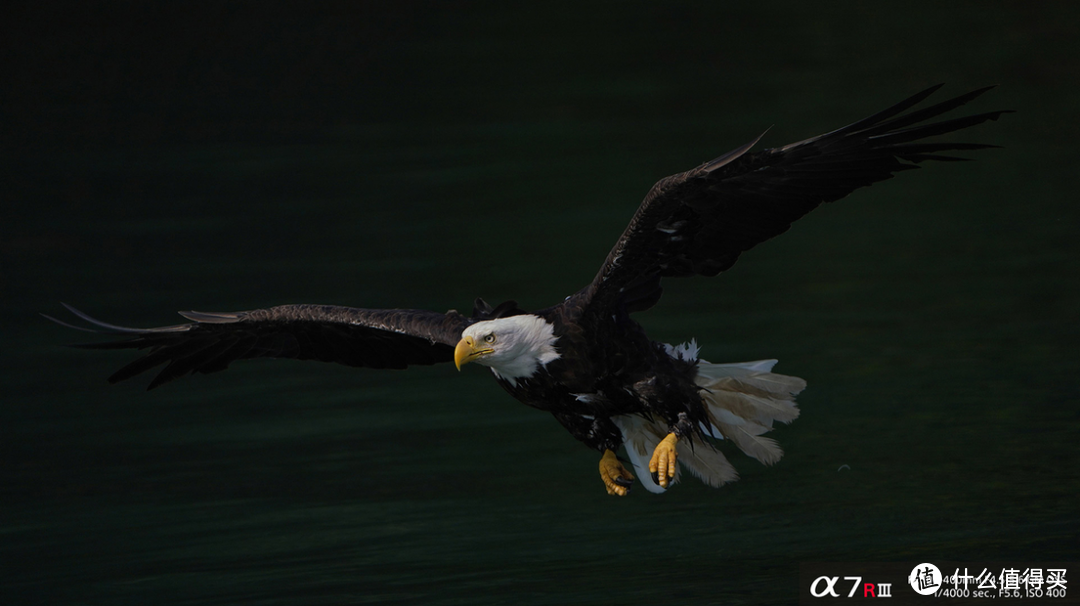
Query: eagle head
[[512, 347]]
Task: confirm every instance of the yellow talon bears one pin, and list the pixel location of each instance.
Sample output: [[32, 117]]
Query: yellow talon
[[662, 465], [616, 478]]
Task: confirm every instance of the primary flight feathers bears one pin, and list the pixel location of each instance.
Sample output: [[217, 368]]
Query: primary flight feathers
[[698, 222]]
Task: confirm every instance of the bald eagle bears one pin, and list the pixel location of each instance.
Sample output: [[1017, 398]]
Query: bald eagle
[[585, 360]]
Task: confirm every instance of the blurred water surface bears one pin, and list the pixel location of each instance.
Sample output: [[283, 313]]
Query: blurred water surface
[[397, 157]]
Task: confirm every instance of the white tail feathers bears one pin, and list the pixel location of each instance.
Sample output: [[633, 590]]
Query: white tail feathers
[[706, 462], [640, 436], [765, 450], [741, 401]]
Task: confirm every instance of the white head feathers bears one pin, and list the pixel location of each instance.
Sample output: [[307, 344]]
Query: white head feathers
[[521, 344]]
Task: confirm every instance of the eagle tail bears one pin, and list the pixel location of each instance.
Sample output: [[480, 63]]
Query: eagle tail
[[742, 401], [640, 437], [706, 462]]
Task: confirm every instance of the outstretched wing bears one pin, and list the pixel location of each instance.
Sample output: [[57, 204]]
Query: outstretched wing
[[700, 221], [373, 338]]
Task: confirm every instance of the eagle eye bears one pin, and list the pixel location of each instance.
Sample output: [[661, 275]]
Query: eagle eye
[[490, 338]]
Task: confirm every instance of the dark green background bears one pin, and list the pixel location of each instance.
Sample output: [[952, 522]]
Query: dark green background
[[159, 157]]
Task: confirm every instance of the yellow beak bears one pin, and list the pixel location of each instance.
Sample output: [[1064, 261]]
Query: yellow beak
[[467, 350]]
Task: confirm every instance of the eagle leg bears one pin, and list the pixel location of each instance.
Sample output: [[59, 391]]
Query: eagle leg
[[662, 465], [616, 478]]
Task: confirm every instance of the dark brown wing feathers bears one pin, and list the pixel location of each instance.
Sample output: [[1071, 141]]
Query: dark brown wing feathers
[[372, 338], [692, 223], [700, 221]]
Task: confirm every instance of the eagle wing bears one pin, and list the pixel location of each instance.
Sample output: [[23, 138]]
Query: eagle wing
[[700, 221], [372, 338]]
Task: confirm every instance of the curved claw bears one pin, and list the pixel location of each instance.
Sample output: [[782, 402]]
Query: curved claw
[[662, 465], [617, 480]]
